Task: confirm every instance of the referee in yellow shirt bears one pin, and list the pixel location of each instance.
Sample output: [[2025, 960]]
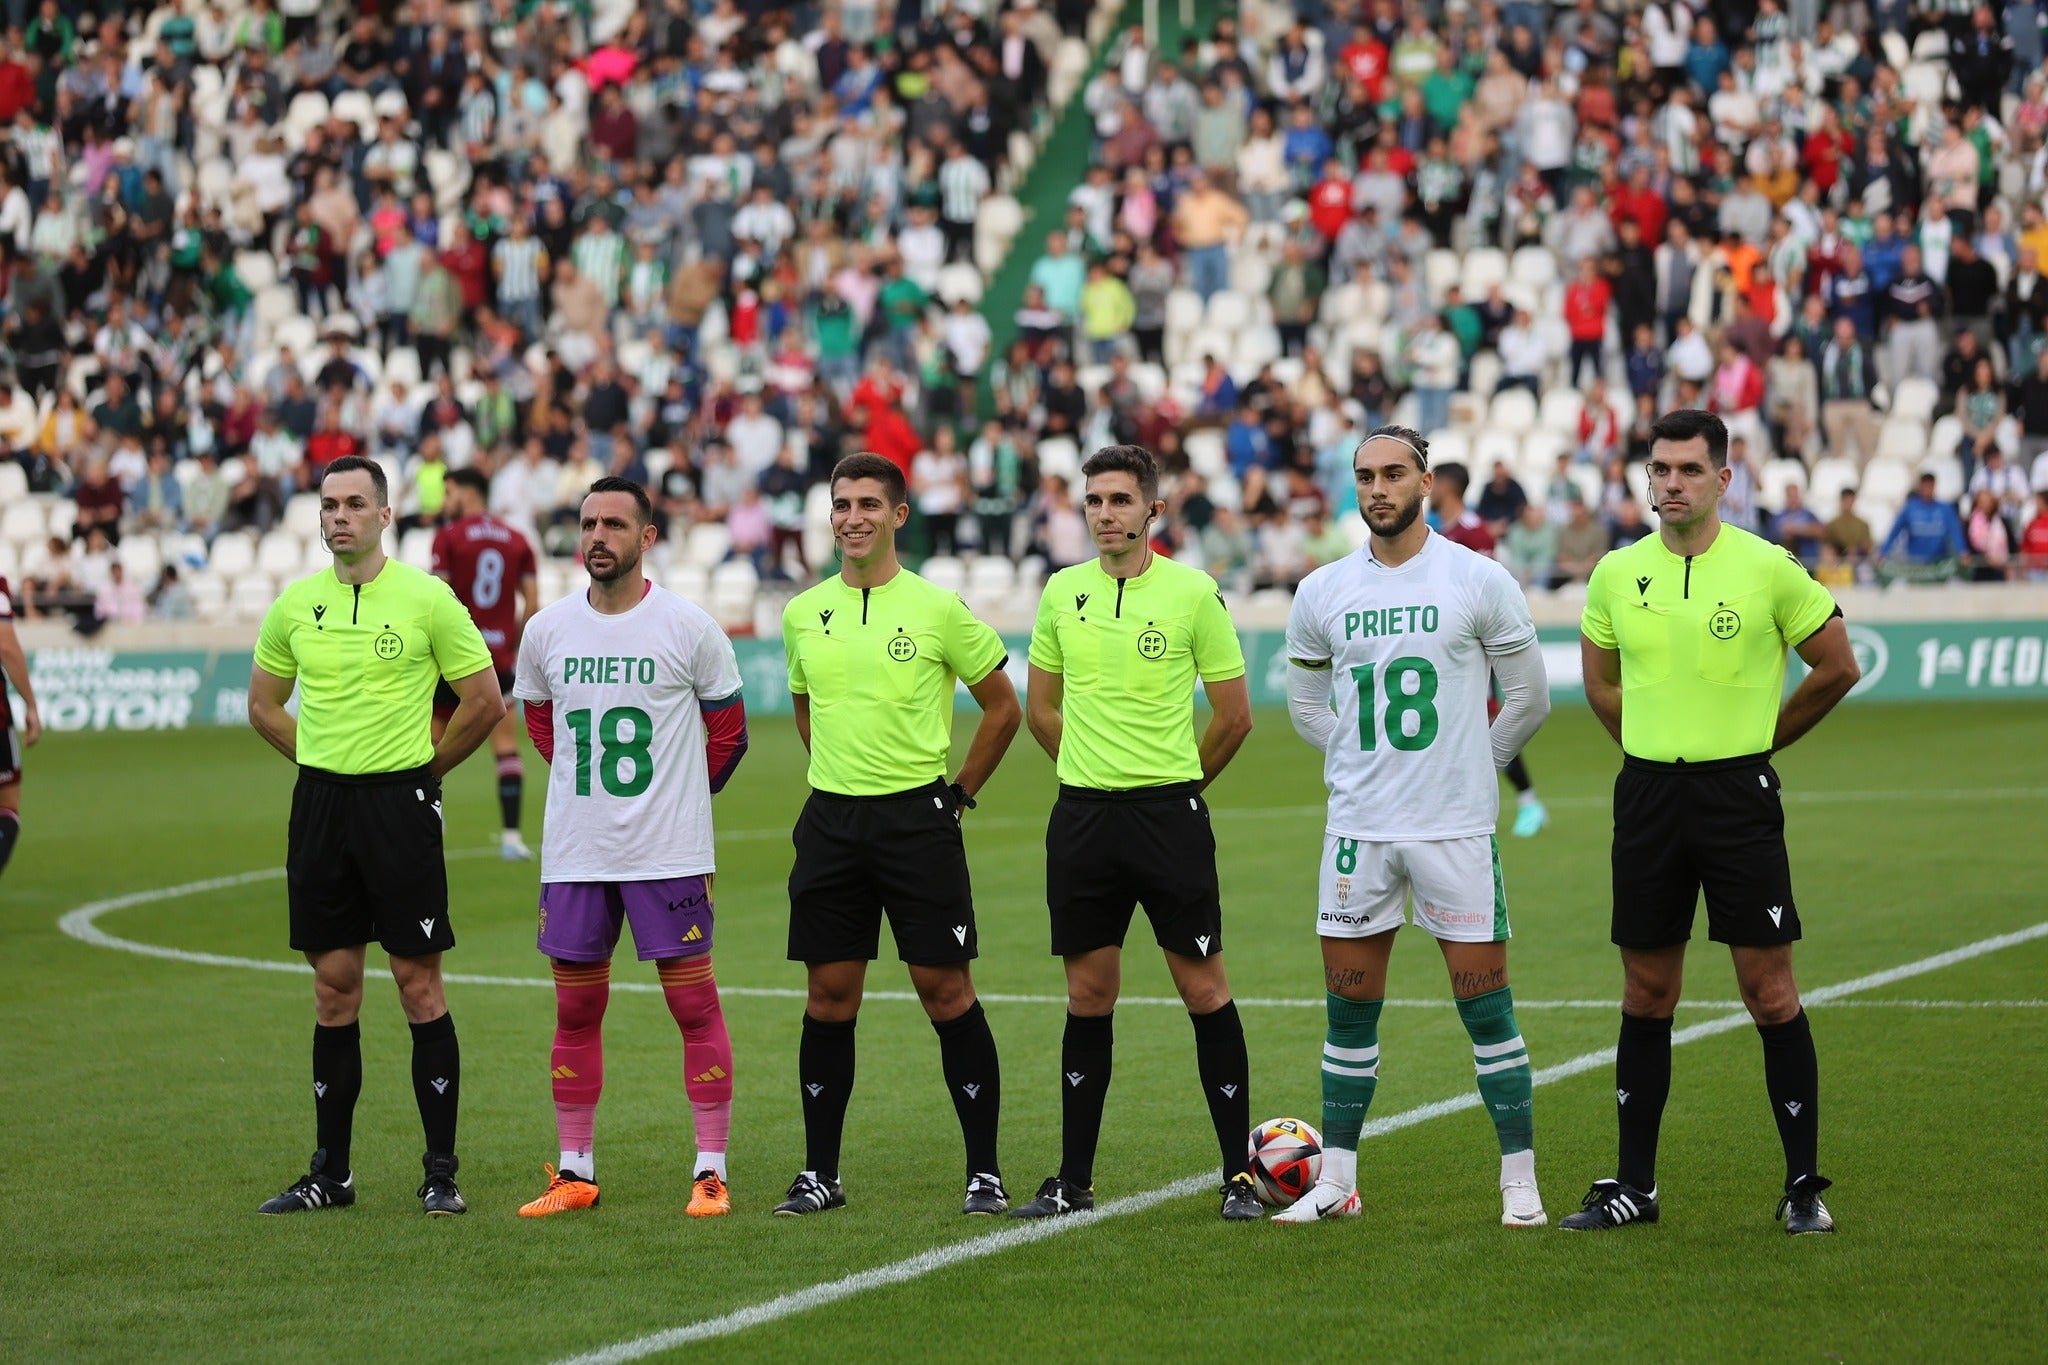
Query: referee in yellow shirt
[[366, 641], [1684, 640], [874, 652], [1115, 653]]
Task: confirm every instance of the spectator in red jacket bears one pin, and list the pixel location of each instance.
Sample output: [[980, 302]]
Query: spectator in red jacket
[[470, 264], [1635, 201], [17, 86], [1585, 317], [1826, 148], [1329, 203]]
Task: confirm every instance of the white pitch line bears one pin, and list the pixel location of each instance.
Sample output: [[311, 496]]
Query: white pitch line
[[974, 1248], [82, 924]]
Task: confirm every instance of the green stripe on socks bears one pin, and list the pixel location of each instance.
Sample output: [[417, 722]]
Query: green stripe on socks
[[1351, 1068], [1502, 1063]]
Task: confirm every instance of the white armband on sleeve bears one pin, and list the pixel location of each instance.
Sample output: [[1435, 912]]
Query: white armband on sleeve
[[1308, 704], [1525, 701]]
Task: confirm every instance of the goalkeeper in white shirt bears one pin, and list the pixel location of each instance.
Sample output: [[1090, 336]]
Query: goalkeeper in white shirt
[[1391, 648]]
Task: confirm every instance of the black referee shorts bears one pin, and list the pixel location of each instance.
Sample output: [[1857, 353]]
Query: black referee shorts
[[365, 863], [1681, 827], [1107, 852], [445, 700], [859, 858]]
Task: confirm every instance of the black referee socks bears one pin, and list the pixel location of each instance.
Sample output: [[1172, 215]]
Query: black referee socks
[[1642, 1082], [824, 1068], [974, 1075], [1226, 1082], [437, 1080], [337, 1081], [1792, 1075], [1084, 1085]]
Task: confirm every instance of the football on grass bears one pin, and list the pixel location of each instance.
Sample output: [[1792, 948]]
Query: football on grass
[[1287, 1156]]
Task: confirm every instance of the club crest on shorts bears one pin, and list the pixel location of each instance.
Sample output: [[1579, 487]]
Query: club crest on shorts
[[1724, 624], [1343, 892]]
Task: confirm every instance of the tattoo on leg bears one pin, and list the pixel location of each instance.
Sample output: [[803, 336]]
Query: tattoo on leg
[[1464, 985], [1338, 979]]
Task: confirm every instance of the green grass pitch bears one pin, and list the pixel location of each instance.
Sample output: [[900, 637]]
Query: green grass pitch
[[149, 1105]]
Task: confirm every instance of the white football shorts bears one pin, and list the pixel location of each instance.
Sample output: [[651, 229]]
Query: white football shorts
[[1364, 888]]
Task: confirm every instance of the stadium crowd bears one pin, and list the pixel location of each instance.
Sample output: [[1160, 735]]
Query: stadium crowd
[[712, 244]]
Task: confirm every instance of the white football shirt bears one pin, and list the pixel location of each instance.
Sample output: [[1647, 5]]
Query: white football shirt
[[629, 797], [1407, 650]]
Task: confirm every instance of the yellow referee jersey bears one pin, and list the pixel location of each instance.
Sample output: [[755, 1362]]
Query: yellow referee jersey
[[367, 656], [1702, 640], [878, 665]]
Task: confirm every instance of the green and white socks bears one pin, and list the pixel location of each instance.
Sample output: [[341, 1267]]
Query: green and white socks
[[1501, 1061], [1351, 1068]]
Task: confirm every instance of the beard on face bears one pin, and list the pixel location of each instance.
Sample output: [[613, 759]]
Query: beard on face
[[615, 568], [1404, 517]]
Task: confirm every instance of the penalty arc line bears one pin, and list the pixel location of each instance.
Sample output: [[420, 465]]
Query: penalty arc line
[[82, 924], [942, 1258]]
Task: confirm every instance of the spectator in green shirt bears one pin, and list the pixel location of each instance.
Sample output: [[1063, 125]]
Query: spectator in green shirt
[[902, 303], [1445, 90], [1107, 311]]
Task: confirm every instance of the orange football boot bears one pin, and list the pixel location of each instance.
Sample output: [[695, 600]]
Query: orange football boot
[[564, 1192], [709, 1196]]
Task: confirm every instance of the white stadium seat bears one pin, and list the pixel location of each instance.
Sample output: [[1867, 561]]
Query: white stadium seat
[[1512, 411], [1902, 438], [280, 553], [416, 547], [1494, 444], [1777, 476], [1533, 268], [707, 545], [1561, 409], [234, 553], [1886, 479], [1204, 447], [141, 558], [945, 571], [1829, 477], [1915, 397], [1545, 445], [302, 515], [251, 596], [1484, 268], [1228, 311], [209, 595], [1059, 455], [24, 523]]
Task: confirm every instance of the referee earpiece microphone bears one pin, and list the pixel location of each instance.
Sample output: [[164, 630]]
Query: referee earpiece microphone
[[1138, 534]]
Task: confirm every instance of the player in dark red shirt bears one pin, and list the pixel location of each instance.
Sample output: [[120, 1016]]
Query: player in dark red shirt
[[485, 561], [14, 664], [1457, 522]]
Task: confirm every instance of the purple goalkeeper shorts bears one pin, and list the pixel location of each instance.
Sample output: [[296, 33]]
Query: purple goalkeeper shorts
[[579, 921]]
